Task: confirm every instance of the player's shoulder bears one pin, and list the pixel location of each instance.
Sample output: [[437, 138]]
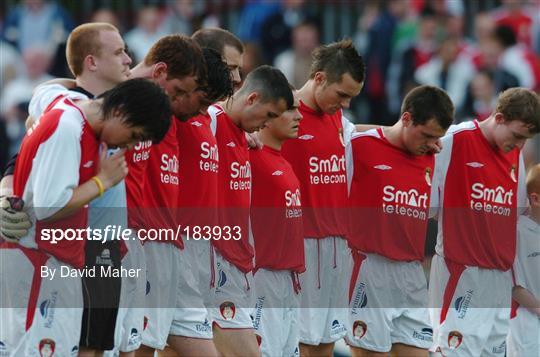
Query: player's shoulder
[[70, 117], [215, 110], [467, 126], [368, 134]]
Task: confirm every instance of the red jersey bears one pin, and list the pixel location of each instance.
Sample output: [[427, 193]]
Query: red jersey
[[137, 160], [389, 197], [234, 186], [161, 186], [318, 159], [275, 203], [57, 154], [477, 195], [198, 173]]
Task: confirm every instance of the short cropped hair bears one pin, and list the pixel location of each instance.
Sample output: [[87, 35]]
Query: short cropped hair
[[219, 84], [520, 104], [217, 39], [336, 59], [143, 103], [271, 85], [181, 54], [427, 102], [533, 179], [83, 41]]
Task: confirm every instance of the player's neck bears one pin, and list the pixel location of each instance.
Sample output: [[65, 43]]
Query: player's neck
[[142, 71], [91, 110], [232, 107], [307, 95], [93, 85], [394, 135], [270, 140], [487, 127]]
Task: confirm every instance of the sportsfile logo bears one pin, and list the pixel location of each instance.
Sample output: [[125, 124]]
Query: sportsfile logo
[[293, 204], [327, 171], [495, 201], [209, 157], [240, 176], [169, 169], [405, 203], [141, 151]]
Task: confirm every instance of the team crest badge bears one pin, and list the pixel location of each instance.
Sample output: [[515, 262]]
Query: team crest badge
[[513, 173], [359, 329], [454, 339], [46, 347], [227, 310], [341, 138], [427, 175]]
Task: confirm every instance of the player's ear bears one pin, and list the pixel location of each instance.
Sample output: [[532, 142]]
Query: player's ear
[[499, 118], [252, 98], [406, 119], [534, 199], [90, 63], [159, 71], [319, 78]]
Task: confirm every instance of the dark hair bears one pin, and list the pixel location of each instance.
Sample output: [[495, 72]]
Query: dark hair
[[182, 56], [336, 59], [270, 84], [143, 103], [217, 39], [505, 35], [219, 83], [520, 104], [427, 102]]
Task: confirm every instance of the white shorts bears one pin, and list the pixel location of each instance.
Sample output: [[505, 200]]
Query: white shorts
[[199, 253], [388, 304], [524, 336], [38, 315], [130, 318], [173, 301], [276, 314], [233, 296], [470, 309], [324, 302]]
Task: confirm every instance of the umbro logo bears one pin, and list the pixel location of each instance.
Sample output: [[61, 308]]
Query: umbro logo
[[88, 164], [231, 144], [277, 173], [383, 167], [196, 123], [475, 164], [306, 137]]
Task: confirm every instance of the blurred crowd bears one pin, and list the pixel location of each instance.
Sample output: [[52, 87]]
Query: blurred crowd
[[473, 55]]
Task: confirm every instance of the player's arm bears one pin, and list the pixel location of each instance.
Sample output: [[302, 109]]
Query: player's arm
[[64, 82], [526, 299], [113, 169]]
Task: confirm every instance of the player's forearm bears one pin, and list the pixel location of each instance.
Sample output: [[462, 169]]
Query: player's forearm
[[82, 195], [526, 299], [64, 82], [6, 186]]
